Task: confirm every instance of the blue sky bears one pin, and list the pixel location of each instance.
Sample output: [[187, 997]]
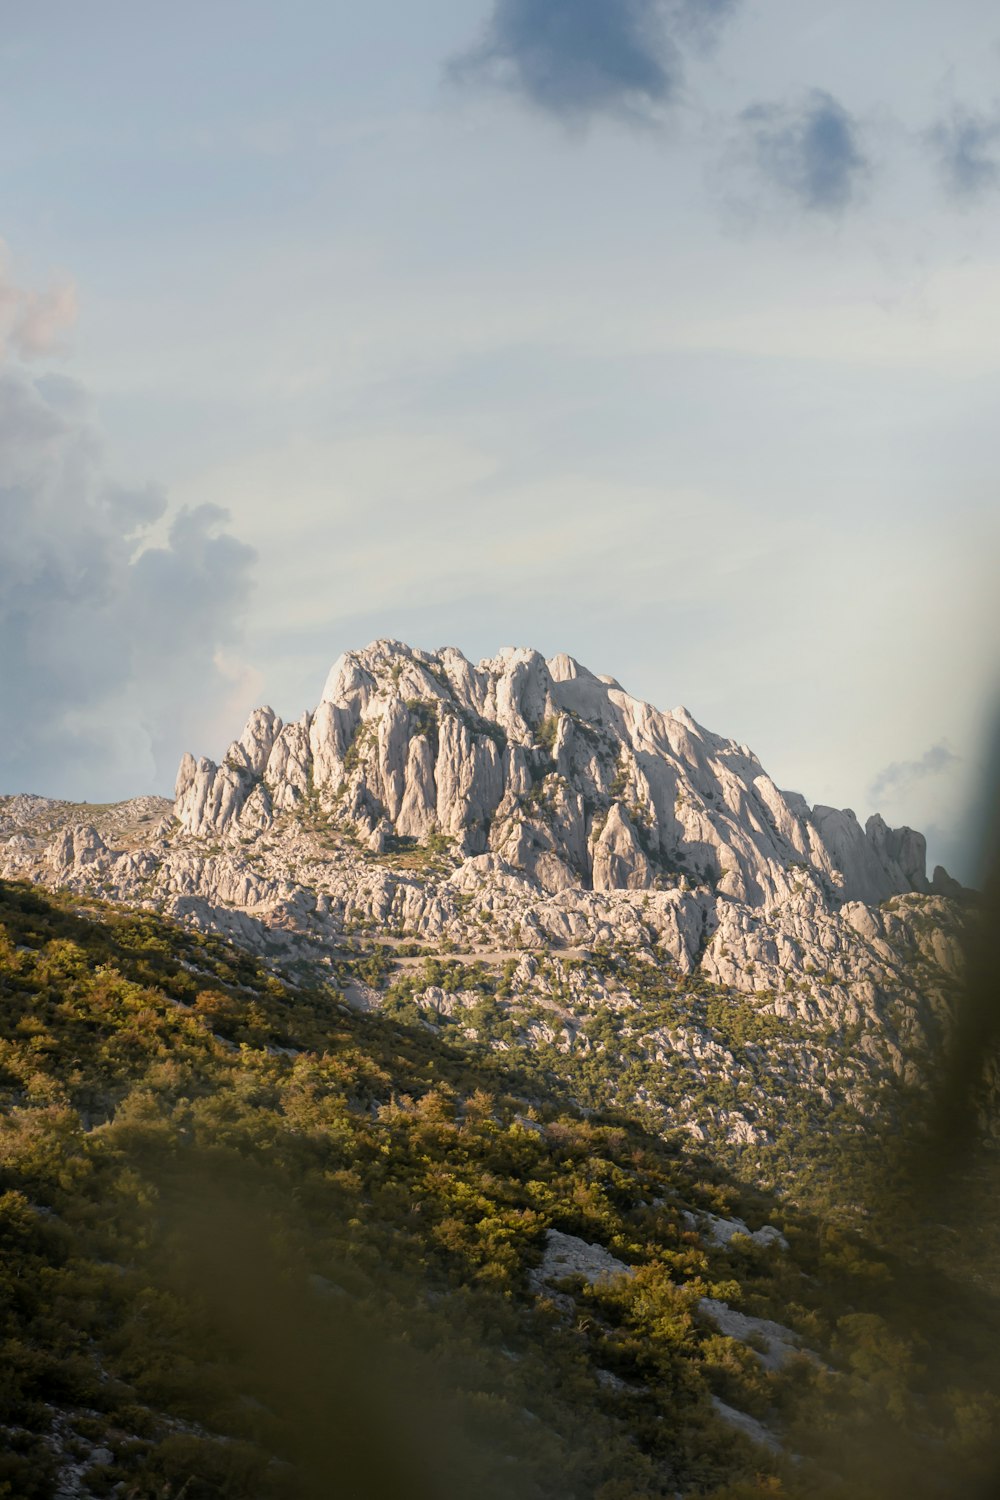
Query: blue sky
[[661, 333]]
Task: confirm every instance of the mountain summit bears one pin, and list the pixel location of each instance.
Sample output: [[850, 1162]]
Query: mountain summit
[[550, 769], [624, 884]]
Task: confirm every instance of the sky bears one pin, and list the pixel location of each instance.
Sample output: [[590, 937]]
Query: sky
[[661, 332]]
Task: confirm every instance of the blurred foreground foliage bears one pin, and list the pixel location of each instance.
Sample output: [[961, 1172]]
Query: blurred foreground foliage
[[253, 1244]]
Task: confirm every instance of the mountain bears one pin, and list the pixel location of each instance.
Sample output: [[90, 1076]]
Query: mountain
[[257, 1244], [560, 774], [626, 883], [486, 1084]]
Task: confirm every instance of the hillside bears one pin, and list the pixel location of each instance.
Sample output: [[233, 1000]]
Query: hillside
[[524, 857], [256, 1243], [494, 1082]]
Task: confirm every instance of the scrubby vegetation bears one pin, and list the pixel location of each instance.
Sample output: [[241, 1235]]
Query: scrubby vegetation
[[252, 1244], [815, 1135]]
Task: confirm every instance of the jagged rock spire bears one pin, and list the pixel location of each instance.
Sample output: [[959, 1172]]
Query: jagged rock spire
[[561, 773]]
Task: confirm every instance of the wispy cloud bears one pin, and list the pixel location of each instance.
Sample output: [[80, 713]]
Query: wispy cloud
[[966, 146], [582, 58], [900, 775], [700, 20], [811, 152], [32, 322]]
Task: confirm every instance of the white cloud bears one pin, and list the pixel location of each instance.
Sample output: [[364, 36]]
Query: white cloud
[[113, 633]]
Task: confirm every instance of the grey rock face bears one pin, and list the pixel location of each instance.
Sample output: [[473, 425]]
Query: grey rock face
[[719, 1231], [528, 814], [564, 774], [780, 1343], [618, 860], [749, 1426], [568, 1255]]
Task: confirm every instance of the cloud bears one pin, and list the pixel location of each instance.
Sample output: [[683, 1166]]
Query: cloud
[[966, 146], [580, 58], [31, 322], [812, 153], [895, 779], [699, 20], [116, 617]]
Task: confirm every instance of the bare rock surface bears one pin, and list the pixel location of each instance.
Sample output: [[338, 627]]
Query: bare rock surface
[[749, 1426], [533, 817], [773, 1343], [718, 1231], [568, 1255], [566, 775]]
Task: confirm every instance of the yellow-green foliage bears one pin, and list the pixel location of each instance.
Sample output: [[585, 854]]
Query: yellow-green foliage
[[254, 1245]]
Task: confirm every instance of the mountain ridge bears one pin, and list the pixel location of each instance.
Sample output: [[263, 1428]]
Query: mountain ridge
[[508, 709], [601, 862], [514, 871]]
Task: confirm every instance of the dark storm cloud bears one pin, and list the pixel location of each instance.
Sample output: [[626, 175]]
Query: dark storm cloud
[[967, 149], [812, 153], [579, 58], [112, 620], [902, 774]]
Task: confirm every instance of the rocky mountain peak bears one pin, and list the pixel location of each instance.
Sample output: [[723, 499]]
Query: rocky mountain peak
[[560, 773], [599, 857]]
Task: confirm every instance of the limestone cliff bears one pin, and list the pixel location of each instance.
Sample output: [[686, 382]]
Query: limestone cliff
[[530, 816], [562, 774]]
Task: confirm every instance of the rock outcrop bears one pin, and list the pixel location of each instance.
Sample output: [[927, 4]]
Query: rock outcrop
[[562, 773], [538, 819]]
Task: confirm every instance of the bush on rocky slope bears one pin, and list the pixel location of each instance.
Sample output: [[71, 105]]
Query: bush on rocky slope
[[252, 1244]]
